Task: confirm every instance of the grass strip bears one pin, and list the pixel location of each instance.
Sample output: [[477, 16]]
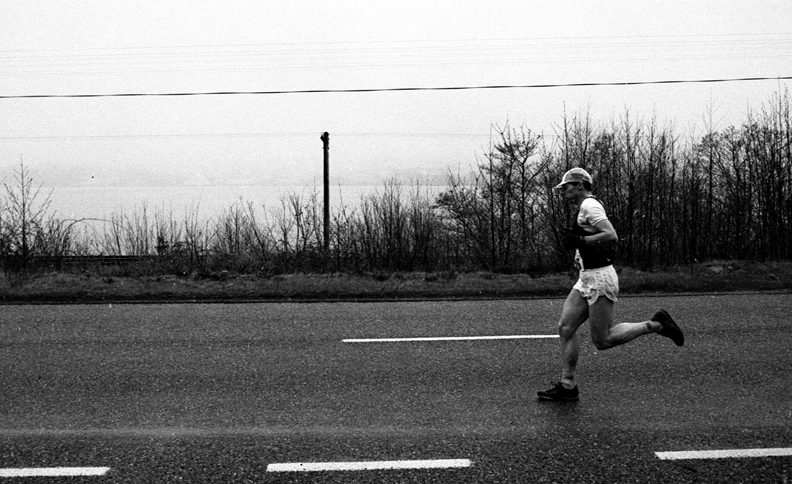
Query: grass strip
[[106, 286]]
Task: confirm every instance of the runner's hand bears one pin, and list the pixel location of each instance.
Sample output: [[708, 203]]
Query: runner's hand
[[570, 240]]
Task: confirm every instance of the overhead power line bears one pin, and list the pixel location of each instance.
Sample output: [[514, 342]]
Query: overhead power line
[[423, 42], [397, 89], [311, 134], [385, 56]]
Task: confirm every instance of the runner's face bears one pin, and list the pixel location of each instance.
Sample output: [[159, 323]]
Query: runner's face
[[570, 191]]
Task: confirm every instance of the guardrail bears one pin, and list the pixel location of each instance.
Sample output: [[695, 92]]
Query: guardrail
[[102, 260]]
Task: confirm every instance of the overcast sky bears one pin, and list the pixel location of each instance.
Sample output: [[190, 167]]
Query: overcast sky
[[113, 46]]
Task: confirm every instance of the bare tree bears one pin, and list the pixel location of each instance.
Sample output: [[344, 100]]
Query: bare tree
[[24, 216]]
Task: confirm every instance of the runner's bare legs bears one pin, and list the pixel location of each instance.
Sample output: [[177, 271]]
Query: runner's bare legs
[[604, 334], [575, 313]]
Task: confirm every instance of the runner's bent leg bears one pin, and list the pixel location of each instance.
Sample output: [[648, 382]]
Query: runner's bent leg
[[574, 313], [605, 335]]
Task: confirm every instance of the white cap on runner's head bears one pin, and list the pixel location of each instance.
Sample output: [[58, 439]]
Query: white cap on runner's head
[[573, 176]]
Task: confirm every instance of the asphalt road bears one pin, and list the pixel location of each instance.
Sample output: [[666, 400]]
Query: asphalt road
[[217, 393]]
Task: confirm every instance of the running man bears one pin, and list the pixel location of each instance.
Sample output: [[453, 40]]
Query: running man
[[593, 297]]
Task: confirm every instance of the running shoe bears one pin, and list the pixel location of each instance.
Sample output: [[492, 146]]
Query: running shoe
[[558, 393], [670, 328]]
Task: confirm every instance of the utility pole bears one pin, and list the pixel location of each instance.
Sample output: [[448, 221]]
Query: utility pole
[[326, 148], [493, 261]]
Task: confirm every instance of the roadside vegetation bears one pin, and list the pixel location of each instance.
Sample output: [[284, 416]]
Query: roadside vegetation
[[690, 209], [116, 284]]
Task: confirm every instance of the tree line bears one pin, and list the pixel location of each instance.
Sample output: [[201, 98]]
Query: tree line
[[673, 198]]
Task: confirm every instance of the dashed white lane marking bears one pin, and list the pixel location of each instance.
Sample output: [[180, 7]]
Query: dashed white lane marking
[[367, 466], [54, 471], [725, 454], [450, 338]]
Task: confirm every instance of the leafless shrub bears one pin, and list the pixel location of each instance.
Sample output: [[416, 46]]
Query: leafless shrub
[[673, 199]]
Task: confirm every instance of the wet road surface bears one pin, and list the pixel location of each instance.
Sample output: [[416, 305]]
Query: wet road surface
[[221, 392]]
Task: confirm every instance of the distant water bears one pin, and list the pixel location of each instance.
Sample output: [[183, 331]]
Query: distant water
[[101, 202]]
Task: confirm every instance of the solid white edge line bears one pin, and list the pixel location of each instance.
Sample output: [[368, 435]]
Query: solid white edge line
[[450, 338], [54, 471], [725, 454], [367, 466]]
